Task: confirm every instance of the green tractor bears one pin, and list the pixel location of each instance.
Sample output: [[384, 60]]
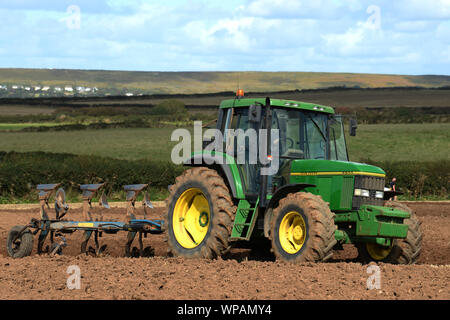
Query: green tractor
[[316, 201]]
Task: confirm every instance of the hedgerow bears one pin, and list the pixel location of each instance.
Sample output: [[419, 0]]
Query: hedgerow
[[21, 172]]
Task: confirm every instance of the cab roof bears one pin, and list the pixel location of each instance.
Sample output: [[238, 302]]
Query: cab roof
[[245, 102]]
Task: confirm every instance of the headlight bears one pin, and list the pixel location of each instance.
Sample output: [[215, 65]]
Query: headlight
[[362, 193], [366, 193], [379, 195]]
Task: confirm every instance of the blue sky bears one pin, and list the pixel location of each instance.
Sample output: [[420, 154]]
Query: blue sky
[[393, 37]]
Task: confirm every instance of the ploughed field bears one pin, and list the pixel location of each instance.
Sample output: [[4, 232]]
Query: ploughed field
[[242, 274]]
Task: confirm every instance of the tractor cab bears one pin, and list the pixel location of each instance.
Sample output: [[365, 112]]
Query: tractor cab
[[305, 131]]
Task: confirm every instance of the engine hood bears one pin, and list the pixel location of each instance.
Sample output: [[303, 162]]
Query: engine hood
[[330, 167]]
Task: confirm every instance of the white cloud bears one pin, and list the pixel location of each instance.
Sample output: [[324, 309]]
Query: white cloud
[[295, 9], [322, 35], [442, 32], [347, 42], [415, 26], [365, 38], [422, 10]]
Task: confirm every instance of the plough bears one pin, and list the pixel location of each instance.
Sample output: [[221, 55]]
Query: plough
[[20, 238]]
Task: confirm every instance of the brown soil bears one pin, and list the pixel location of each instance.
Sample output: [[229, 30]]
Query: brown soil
[[242, 274]]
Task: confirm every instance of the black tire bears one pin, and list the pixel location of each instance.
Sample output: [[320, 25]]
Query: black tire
[[404, 251], [22, 247], [319, 238], [222, 211]]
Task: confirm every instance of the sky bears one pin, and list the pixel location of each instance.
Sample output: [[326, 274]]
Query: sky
[[393, 37]]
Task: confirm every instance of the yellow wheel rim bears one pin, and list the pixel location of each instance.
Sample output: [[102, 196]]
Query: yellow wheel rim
[[378, 252], [292, 232], [191, 217]]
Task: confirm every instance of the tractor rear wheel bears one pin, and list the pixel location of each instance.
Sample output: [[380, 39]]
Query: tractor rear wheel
[[302, 229], [402, 251], [19, 246], [200, 215]]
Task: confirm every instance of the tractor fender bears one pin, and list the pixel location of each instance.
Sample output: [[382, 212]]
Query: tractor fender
[[279, 194], [204, 159]]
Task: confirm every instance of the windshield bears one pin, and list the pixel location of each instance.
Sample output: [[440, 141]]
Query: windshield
[[338, 149], [304, 135]]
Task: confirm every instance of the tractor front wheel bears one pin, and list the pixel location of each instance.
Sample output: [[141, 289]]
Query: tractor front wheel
[[200, 215], [302, 229]]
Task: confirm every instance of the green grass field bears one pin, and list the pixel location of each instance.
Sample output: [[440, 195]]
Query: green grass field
[[419, 142], [129, 144], [398, 142]]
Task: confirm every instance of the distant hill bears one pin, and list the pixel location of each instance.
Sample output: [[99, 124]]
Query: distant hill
[[208, 82]]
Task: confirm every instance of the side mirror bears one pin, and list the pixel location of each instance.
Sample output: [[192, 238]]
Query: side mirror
[[254, 114], [353, 127]]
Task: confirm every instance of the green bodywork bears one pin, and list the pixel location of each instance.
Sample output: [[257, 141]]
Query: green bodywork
[[244, 221], [373, 222], [230, 162], [239, 103], [333, 180]]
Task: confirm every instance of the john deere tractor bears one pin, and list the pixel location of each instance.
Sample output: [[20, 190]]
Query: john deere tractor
[[315, 202]]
